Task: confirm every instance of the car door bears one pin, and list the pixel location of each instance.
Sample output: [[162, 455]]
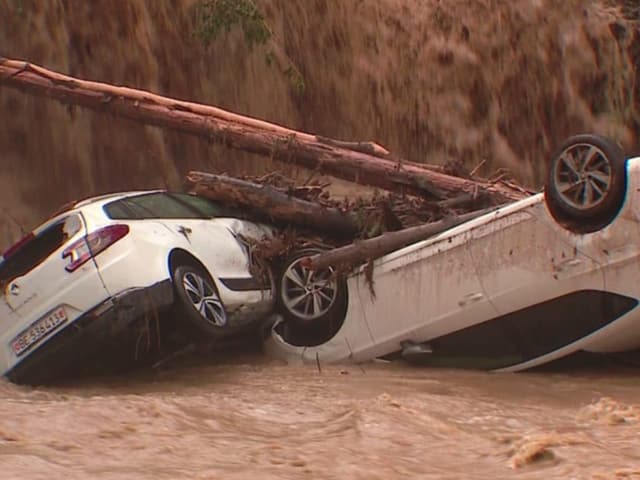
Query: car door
[[215, 243], [616, 247], [522, 259], [543, 284], [423, 292]]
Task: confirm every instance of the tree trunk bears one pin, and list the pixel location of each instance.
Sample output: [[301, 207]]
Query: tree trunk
[[271, 204], [365, 163], [372, 248]]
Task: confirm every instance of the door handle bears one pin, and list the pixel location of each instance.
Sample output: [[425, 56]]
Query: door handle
[[567, 264], [470, 298]]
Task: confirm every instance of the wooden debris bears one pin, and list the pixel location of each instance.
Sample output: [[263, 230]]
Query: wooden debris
[[271, 204], [362, 251]]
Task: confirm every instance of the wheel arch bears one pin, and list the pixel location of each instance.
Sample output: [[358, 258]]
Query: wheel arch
[[185, 305], [179, 256]]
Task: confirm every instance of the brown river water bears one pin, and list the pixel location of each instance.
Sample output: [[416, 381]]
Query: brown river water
[[248, 417]]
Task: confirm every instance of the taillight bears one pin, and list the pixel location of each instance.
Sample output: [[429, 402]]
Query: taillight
[[91, 245]]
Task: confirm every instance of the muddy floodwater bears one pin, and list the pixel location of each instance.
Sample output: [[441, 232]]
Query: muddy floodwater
[[248, 418]]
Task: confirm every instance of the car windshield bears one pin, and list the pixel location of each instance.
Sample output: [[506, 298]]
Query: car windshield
[[167, 205]]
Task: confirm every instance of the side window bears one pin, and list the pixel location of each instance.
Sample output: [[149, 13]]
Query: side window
[[118, 211], [207, 207], [166, 205], [152, 205], [159, 205]]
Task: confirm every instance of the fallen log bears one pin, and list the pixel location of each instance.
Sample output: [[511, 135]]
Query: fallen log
[[266, 201], [365, 250], [365, 147], [336, 158]]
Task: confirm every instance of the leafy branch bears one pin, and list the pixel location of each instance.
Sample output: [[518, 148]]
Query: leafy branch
[[217, 17]]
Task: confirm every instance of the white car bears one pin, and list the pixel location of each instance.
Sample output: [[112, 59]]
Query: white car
[[89, 272], [528, 283]]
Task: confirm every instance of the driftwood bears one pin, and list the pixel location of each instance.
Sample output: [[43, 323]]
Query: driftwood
[[360, 162], [372, 248], [266, 201]]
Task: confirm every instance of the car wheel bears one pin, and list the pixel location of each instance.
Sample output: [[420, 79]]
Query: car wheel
[[311, 298], [198, 298], [586, 182]]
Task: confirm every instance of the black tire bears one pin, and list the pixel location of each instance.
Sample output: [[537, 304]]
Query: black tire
[[192, 284], [311, 299], [586, 182]]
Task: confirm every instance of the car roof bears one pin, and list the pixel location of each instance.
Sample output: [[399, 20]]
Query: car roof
[[108, 197], [91, 203]]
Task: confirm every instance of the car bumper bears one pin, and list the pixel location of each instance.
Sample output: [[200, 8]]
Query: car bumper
[[56, 356]]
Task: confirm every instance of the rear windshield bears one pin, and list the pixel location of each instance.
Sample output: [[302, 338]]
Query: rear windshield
[[33, 250], [167, 205]]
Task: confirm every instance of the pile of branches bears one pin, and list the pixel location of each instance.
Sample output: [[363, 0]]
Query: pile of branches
[[309, 214]]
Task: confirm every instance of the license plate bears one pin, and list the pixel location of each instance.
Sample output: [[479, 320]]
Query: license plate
[[39, 330]]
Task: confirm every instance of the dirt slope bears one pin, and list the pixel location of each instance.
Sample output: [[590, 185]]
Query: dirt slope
[[462, 80]]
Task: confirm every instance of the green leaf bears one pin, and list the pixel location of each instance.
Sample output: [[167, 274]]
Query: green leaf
[[216, 16]]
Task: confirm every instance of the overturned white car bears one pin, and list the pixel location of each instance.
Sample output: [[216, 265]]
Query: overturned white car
[[531, 282]]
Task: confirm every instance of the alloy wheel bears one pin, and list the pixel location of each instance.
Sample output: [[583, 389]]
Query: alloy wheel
[[306, 293], [583, 176], [204, 298]]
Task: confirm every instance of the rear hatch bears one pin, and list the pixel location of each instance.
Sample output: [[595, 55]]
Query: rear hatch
[[47, 278]]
